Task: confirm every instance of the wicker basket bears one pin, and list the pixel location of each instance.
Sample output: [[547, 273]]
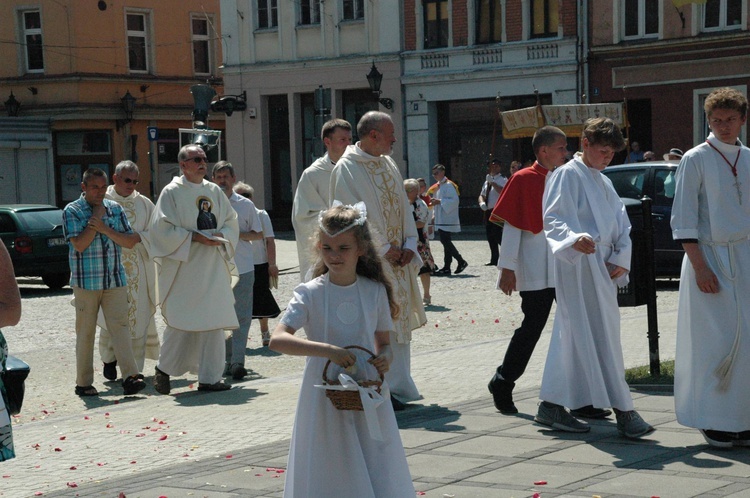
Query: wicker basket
[[348, 400]]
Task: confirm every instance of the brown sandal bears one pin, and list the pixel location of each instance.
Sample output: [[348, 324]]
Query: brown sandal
[[86, 391]]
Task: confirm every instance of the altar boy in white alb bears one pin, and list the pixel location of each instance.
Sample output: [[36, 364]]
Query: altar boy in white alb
[[711, 217], [588, 230], [195, 275]]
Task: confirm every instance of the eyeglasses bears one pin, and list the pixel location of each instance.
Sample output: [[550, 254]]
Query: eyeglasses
[[196, 159], [128, 180], [244, 194]]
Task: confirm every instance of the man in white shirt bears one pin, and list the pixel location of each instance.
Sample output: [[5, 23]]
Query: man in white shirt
[[488, 197], [445, 201], [250, 229]]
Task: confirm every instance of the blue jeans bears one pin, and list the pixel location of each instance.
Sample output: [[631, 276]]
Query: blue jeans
[[243, 306]]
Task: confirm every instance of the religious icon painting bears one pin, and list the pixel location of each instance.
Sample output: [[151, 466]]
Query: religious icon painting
[[206, 219]]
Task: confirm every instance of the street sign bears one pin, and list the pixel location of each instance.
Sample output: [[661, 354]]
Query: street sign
[[153, 133]]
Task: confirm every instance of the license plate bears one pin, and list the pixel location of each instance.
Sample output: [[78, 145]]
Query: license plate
[[56, 241]]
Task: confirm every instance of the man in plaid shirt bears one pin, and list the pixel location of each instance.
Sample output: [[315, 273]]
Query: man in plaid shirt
[[96, 227]]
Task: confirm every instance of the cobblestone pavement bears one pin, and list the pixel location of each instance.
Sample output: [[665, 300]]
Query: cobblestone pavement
[[66, 444]]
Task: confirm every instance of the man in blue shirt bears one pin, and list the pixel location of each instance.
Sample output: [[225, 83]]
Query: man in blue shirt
[[96, 227]]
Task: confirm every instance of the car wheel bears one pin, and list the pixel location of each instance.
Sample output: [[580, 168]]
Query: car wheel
[[56, 280]]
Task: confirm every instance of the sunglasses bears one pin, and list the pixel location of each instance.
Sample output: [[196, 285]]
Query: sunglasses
[[243, 194], [196, 159], [128, 180]]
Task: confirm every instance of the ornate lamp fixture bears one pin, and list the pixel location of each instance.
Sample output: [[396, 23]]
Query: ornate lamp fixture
[[12, 105], [374, 79]]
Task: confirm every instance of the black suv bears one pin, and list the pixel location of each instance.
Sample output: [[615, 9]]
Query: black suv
[[656, 180], [33, 235]]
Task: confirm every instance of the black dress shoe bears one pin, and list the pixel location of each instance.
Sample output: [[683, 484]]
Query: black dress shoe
[[502, 395], [490, 264], [442, 272], [461, 267]]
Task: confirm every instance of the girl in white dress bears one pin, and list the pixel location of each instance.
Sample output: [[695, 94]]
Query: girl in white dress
[[348, 302]]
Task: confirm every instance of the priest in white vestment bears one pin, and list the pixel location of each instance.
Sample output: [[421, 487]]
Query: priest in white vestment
[[588, 230], [195, 274], [140, 271], [711, 217], [311, 196], [366, 173]]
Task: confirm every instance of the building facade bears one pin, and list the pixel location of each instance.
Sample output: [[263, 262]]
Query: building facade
[[665, 57], [279, 53], [84, 82], [464, 61]]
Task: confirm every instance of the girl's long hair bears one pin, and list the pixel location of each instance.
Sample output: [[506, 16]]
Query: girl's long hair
[[369, 265]]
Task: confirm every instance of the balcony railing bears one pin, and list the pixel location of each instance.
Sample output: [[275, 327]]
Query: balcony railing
[[542, 51], [516, 55], [434, 61], [487, 56]]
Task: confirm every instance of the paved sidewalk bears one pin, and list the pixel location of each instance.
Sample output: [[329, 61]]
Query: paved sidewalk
[[230, 444], [470, 450]]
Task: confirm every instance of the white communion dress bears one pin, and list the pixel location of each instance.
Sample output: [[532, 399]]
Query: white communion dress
[[332, 452]]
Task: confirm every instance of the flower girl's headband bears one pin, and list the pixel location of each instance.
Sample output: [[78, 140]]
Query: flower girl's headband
[[360, 220]]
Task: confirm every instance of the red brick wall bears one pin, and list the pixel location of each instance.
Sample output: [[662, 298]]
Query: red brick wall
[[460, 24], [568, 17], [514, 21], [410, 25]]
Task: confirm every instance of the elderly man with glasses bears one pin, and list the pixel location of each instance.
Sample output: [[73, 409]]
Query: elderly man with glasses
[[195, 274], [140, 272]]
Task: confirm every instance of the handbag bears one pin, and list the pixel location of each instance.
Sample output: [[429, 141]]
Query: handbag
[[14, 377]]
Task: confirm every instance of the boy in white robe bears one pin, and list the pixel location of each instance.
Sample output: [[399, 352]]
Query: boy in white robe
[[195, 274], [366, 173], [588, 230], [711, 217]]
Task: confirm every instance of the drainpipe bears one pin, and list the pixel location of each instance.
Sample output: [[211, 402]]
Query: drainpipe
[[585, 50]]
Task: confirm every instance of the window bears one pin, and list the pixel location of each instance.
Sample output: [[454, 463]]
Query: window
[[629, 182], [489, 21], [435, 23], [138, 45], [640, 18], [722, 14], [309, 12], [32, 40], [544, 18], [664, 186], [268, 16], [201, 45], [354, 9]]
